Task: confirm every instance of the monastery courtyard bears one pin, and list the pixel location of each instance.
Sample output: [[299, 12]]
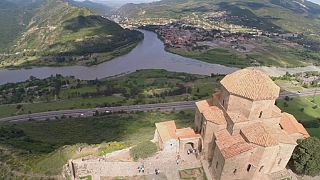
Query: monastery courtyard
[[119, 165]]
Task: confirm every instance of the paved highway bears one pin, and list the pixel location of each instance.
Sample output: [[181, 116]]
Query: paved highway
[[134, 108]]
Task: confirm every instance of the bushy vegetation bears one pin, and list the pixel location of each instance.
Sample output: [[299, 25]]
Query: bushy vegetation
[[14, 18], [143, 150], [62, 34], [41, 148], [305, 159], [147, 86]]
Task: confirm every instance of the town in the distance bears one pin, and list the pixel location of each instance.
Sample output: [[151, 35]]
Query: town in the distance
[[160, 89]]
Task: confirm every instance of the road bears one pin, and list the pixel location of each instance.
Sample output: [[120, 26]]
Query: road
[[133, 108]]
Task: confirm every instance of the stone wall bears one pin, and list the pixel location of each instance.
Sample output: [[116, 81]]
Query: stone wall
[[261, 108], [237, 167], [171, 145]]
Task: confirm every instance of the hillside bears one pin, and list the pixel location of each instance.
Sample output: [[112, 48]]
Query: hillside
[[289, 15], [99, 8], [14, 15], [266, 26], [59, 33]]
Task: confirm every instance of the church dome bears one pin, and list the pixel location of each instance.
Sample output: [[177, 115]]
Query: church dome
[[252, 84]]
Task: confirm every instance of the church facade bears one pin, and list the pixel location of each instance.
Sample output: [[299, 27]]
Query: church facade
[[244, 135]]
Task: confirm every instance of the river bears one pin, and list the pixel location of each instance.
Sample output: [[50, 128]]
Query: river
[[149, 54]]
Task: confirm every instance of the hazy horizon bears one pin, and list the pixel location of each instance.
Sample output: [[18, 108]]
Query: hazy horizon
[[121, 2]]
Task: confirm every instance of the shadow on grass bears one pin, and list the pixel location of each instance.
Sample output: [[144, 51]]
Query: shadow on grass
[[304, 111]]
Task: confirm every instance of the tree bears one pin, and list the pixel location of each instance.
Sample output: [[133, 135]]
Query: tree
[[306, 157], [19, 106]]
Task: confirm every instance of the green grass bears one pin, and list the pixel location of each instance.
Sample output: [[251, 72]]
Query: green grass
[[267, 53], [142, 87], [9, 110], [217, 56], [51, 164], [143, 150], [308, 116], [60, 139], [86, 178]]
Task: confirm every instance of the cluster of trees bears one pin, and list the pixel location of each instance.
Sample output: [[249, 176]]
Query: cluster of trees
[[306, 157], [29, 90]]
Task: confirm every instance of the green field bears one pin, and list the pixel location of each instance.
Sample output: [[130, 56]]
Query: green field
[[266, 53], [142, 87], [40, 147], [217, 56], [306, 110]]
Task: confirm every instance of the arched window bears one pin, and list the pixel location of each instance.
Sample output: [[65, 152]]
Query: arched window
[[249, 167], [261, 168], [260, 115], [217, 164]]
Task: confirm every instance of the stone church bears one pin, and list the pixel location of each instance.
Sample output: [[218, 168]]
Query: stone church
[[244, 135]]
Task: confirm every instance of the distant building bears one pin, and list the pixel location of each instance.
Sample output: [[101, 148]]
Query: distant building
[[171, 139], [244, 135]]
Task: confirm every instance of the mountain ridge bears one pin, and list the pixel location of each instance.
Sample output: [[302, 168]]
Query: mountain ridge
[[46, 39]]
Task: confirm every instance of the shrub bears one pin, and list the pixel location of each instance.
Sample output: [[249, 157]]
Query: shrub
[[306, 157], [143, 150], [311, 124], [287, 98]]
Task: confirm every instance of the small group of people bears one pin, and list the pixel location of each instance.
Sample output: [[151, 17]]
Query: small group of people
[[141, 169], [191, 151], [157, 171]]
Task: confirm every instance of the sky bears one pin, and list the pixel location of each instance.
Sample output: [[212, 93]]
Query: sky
[[315, 1]]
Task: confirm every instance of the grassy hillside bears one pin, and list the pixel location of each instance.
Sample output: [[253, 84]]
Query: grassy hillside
[[62, 34], [270, 16], [14, 19], [97, 7], [38, 150], [285, 15]]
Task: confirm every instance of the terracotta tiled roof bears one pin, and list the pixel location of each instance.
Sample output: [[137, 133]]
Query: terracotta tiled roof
[[265, 136], [276, 112], [231, 146], [257, 134], [251, 84], [186, 133], [215, 115], [217, 96], [167, 130], [204, 105], [290, 124], [237, 117]]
